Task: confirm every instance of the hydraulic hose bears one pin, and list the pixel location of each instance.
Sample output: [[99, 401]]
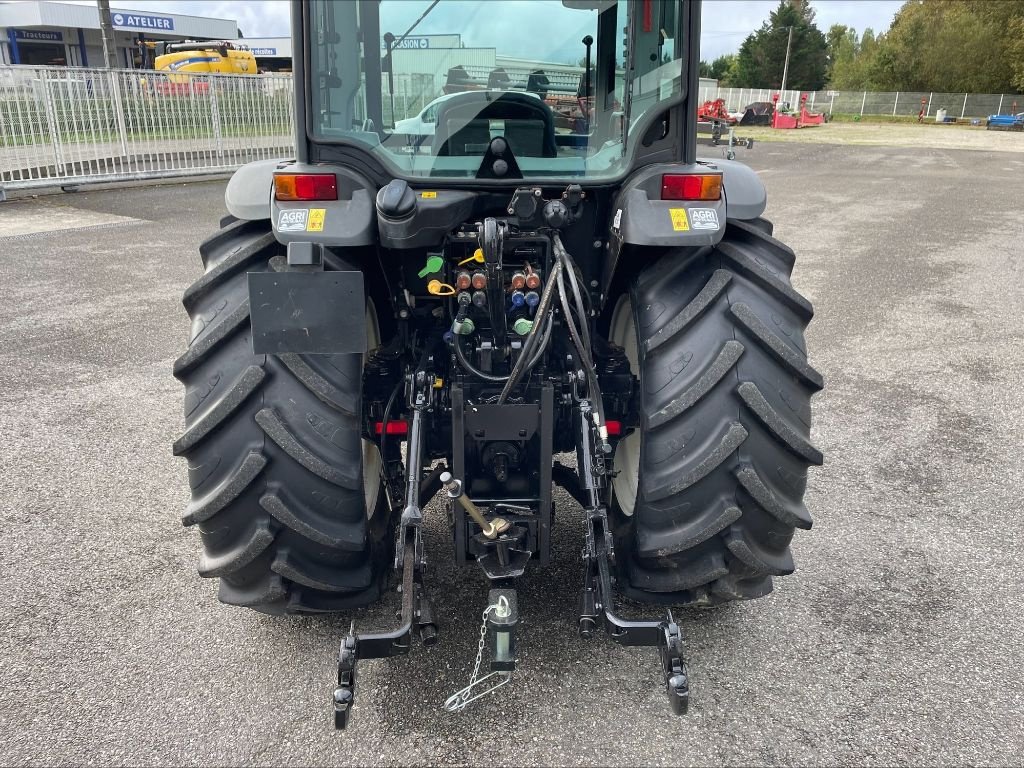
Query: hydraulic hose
[[584, 353], [542, 309], [461, 357], [581, 308]]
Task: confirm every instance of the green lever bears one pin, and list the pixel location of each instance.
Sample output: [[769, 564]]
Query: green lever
[[435, 264]]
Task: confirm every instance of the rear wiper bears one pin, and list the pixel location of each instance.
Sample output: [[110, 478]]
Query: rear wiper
[[414, 25], [392, 43]]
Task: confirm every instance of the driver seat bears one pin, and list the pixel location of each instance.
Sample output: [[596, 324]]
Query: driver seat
[[464, 124]]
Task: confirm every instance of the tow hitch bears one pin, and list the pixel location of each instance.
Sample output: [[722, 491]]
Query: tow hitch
[[417, 611], [502, 559], [597, 599]]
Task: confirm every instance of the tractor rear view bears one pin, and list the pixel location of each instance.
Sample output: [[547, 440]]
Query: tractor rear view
[[391, 316]]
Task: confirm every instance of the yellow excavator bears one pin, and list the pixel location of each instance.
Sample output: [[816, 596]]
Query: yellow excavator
[[182, 59]]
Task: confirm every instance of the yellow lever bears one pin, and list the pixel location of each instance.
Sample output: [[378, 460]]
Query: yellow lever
[[478, 257]]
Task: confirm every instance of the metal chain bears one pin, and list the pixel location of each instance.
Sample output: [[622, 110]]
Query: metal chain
[[458, 700]]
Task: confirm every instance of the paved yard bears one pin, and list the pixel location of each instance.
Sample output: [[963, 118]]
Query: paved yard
[[897, 641]]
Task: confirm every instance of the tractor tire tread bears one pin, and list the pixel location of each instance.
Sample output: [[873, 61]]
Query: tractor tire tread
[[724, 401], [222, 408], [276, 483]]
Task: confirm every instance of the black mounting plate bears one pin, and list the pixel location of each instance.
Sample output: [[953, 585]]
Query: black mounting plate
[[312, 313]]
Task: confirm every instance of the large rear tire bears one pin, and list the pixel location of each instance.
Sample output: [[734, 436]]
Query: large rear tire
[[285, 492], [710, 489]]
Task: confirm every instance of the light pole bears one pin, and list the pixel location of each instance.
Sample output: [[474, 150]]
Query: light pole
[[107, 33], [785, 68]]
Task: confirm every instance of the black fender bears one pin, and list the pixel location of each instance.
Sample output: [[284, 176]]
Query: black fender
[[641, 219]]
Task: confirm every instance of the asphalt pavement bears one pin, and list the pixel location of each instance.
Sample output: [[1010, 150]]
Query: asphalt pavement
[[897, 641]]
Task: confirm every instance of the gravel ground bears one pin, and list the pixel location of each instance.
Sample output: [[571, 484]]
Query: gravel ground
[[896, 642]]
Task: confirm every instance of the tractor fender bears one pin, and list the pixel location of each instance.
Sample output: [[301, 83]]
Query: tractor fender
[[347, 222], [640, 218], [249, 189]]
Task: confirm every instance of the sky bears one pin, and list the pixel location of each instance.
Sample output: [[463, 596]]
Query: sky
[[725, 22]]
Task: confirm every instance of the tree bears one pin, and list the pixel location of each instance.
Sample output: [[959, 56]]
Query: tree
[[951, 45], [762, 56], [719, 69], [1015, 49], [851, 60]]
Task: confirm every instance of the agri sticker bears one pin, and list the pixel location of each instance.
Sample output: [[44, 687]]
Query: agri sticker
[[704, 218], [293, 220]]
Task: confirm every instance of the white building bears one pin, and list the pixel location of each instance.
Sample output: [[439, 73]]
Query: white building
[[43, 32]]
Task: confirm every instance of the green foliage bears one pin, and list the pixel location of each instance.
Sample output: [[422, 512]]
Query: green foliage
[[935, 45], [1015, 51], [720, 69], [762, 56], [932, 45]]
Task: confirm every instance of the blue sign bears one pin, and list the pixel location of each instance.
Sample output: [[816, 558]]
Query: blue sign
[[413, 43], [38, 34], [264, 51], [141, 21]]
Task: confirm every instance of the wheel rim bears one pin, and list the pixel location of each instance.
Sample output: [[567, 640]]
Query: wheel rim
[[626, 481], [372, 463]]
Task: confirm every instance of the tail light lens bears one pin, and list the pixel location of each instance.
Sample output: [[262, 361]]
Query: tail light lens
[[677, 186], [306, 186], [392, 428]]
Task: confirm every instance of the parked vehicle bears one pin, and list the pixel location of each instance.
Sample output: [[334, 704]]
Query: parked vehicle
[[1005, 122]]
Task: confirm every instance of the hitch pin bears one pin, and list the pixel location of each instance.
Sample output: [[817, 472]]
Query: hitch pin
[[490, 529]]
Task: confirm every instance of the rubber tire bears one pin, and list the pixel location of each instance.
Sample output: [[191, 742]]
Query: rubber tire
[[725, 420], [274, 449]]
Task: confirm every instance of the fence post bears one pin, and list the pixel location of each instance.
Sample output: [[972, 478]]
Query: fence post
[[832, 104], [215, 117], [43, 93], [897, 101], [122, 129], [863, 101], [964, 110], [999, 109], [928, 112]]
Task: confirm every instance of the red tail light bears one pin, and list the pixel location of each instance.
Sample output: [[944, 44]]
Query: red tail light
[[394, 427], [614, 427], [678, 186], [306, 186]]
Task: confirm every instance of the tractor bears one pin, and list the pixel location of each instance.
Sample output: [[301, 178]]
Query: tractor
[[486, 310]]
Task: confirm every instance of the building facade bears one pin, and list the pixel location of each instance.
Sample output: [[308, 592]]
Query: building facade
[[41, 32]]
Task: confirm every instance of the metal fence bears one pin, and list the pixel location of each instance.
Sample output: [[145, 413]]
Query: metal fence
[[66, 126], [76, 125], [890, 104]]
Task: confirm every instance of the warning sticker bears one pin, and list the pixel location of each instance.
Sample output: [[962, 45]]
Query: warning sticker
[[316, 219], [704, 218], [617, 221], [679, 221], [293, 220], [428, 195]]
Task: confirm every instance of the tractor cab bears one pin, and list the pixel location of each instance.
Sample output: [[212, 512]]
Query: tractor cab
[[557, 80]]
